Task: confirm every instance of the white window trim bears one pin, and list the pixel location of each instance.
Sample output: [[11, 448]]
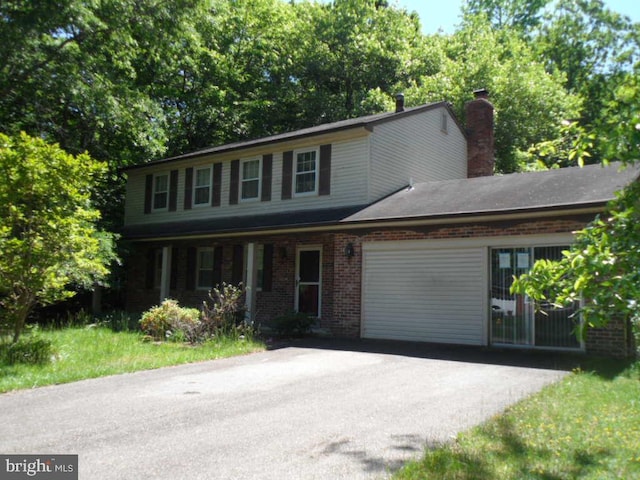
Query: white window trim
[[194, 186], [242, 179], [198, 265], [295, 172], [154, 192]]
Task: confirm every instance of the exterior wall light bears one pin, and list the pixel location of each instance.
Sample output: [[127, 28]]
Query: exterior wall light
[[349, 251]]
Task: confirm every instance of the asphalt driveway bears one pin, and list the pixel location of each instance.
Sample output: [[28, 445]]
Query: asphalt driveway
[[322, 411]]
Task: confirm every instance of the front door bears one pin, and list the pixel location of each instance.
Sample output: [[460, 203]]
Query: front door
[[515, 319], [308, 280]]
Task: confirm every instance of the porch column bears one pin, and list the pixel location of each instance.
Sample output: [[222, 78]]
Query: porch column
[[165, 278], [250, 297]]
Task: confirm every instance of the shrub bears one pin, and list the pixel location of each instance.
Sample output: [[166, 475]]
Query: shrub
[[292, 324], [170, 321], [223, 314], [27, 351]]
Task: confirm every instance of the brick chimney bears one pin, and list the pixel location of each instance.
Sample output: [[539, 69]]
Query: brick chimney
[[480, 153]]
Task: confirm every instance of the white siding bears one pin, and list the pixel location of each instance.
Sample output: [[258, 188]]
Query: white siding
[[414, 292], [349, 164], [416, 147]]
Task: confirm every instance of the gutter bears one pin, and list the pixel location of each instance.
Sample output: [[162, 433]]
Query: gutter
[[358, 226]]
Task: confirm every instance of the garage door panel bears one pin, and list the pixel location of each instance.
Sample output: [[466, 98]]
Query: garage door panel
[[424, 294]]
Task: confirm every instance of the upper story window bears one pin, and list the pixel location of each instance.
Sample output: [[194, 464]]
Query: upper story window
[[161, 191], [250, 181], [202, 186], [306, 172]]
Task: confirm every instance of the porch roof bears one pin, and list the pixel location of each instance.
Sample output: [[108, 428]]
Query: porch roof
[[251, 223]]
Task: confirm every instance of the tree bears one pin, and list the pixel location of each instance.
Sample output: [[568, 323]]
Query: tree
[[353, 54], [49, 242], [519, 14]]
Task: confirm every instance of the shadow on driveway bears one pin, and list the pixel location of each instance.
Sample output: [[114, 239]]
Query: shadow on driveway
[[549, 360]]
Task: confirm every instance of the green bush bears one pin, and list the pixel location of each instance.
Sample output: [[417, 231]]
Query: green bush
[[170, 321], [27, 351], [224, 313], [293, 324]]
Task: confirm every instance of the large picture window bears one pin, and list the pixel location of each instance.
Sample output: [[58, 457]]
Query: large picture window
[[250, 184], [306, 172]]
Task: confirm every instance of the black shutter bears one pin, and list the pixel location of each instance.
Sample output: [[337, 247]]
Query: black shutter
[[235, 180], [151, 269], [267, 163], [148, 192], [217, 185], [324, 184], [173, 283], [191, 268], [287, 174], [217, 265], [237, 267], [188, 188], [173, 190], [267, 268]]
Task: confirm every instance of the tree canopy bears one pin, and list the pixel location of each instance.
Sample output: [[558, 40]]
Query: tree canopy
[[131, 81]]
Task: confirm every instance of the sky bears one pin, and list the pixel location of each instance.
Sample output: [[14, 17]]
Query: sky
[[445, 14]]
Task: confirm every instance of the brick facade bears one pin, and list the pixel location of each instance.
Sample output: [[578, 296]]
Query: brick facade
[[614, 340], [342, 274]]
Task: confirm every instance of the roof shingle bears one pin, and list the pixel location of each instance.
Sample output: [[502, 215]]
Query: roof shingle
[[564, 187]]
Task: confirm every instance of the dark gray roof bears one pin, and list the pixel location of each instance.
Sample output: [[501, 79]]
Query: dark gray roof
[[573, 187], [367, 121], [251, 223]]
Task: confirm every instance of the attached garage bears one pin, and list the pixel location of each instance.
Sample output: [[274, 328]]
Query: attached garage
[[424, 290]]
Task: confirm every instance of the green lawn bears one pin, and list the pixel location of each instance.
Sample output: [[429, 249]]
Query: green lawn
[[89, 352], [585, 427]]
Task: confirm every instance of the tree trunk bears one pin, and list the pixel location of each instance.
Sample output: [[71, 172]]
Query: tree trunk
[[23, 304]]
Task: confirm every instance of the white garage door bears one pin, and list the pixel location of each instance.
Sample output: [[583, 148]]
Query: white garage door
[[413, 291]]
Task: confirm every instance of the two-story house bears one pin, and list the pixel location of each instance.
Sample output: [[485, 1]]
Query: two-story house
[[386, 226]]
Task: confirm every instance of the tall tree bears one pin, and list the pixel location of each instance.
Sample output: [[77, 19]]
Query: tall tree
[[592, 47], [234, 76], [530, 103], [522, 15], [80, 73], [352, 54]]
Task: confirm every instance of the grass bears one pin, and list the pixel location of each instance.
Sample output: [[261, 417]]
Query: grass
[[585, 427], [90, 352]]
